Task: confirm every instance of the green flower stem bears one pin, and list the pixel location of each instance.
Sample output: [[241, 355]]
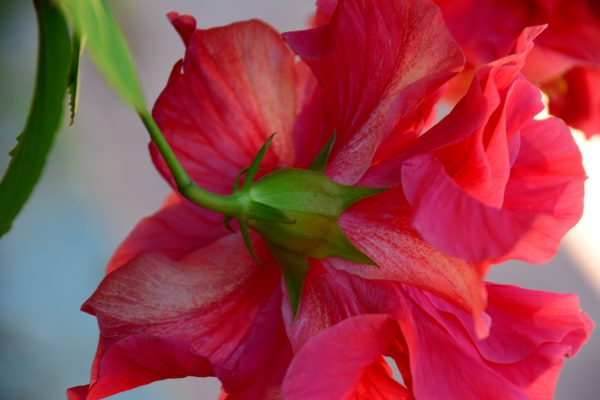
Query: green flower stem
[[232, 205]]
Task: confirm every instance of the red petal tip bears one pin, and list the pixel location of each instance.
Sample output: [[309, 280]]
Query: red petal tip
[[185, 25]]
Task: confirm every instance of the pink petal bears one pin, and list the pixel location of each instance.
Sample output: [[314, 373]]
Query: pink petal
[[521, 357], [471, 112], [177, 229], [503, 191], [455, 222], [234, 88], [314, 126], [485, 29], [184, 24], [546, 182], [214, 313], [328, 297], [377, 62], [345, 362], [380, 226], [574, 30], [498, 101], [531, 333]]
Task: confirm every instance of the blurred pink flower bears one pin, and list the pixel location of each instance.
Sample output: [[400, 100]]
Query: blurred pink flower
[[565, 60]]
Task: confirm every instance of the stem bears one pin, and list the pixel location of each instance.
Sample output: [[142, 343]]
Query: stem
[[229, 205]]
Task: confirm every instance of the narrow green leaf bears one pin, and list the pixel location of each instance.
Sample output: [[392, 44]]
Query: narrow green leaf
[[34, 143], [320, 162], [94, 20], [73, 85]]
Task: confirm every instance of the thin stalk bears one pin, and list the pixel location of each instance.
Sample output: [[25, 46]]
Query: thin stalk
[[228, 205]]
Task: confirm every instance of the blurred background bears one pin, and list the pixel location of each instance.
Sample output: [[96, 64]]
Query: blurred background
[[99, 182]]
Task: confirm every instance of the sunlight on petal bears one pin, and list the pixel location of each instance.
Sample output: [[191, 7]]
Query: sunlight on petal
[[581, 241]]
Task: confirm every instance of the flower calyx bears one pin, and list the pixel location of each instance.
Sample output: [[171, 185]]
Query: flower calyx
[[296, 211]]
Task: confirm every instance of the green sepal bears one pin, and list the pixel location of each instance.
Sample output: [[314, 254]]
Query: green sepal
[[294, 267], [248, 242], [236, 181], [252, 170], [226, 220], [320, 162], [263, 212], [342, 247], [73, 84]]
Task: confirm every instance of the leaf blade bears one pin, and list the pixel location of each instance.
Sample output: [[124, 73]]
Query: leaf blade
[[108, 49], [47, 107]]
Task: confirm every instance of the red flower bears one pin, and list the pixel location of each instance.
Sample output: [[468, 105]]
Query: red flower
[[184, 297], [487, 29], [574, 96]]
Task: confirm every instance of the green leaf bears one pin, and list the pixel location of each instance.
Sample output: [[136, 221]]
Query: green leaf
[[34, 143], [94, 20], [73, 86]]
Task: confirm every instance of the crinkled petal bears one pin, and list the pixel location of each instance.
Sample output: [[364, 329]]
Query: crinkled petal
[[498, 101], [511, 188], [471, 112], [380, 226], [214, 313], [177, 229], [345, 362], [377, 63], [531, 333], [547, 181], [234, 88], [455, 222]]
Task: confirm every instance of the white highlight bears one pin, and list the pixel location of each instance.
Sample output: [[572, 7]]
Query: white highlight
[[583, 241]]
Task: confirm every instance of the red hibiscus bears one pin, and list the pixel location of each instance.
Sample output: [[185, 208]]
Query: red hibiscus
[[566, 57], [183, 296]]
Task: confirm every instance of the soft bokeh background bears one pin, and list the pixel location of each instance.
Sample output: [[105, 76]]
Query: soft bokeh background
[[99, 182]]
